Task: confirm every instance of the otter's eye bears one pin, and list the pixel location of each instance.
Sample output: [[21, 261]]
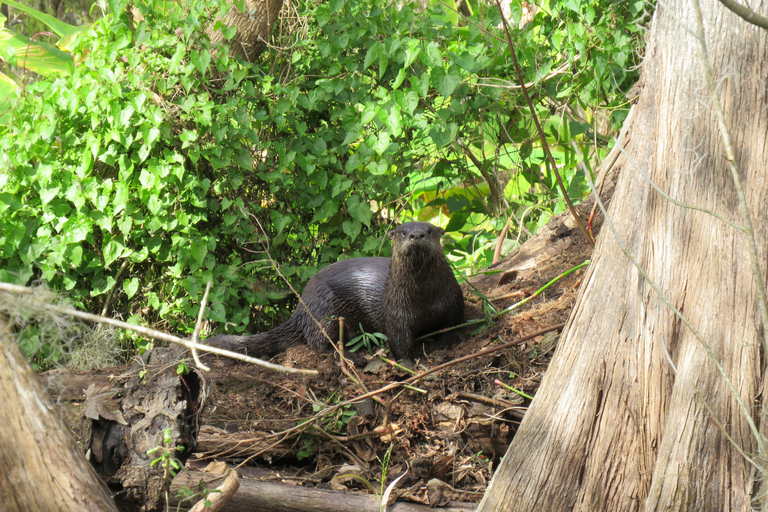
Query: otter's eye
[[429, 231]]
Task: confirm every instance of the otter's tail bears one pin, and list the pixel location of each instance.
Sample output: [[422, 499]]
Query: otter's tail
[[262, 345]]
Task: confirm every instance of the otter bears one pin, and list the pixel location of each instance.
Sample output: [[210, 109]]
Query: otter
[[406, 296]]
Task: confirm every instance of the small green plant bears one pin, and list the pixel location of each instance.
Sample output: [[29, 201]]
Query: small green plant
[[384, 468], [309, 448], [372, 341], [191, 495], [337, 422], [170, 464], [182, 368]]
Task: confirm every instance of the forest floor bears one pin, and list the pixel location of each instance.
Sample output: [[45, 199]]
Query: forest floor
[[453, 425]]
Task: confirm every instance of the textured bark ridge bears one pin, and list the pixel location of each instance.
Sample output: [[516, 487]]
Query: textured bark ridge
[[153, 398], [254, 27], [41, 466], [613, 426]]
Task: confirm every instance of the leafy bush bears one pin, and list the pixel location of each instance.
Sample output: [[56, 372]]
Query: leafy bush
[[161, 163]]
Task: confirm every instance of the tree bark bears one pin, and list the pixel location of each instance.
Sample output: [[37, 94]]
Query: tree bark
[[118, 419], [41, 466], [254, 27], [614, 426]]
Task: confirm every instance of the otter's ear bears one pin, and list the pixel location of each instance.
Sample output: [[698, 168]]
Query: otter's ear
[[391, 234], [440, 231]]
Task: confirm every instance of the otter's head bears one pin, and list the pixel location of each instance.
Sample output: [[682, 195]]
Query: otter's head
[[416, 240]]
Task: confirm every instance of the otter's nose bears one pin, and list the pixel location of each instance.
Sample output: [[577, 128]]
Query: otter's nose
[[417, 235]]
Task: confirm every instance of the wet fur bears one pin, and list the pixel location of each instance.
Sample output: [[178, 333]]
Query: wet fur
[[411, 294]]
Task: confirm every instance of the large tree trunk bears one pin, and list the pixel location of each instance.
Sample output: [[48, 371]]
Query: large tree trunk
[[613, 426], [41, 466], [254, 27]]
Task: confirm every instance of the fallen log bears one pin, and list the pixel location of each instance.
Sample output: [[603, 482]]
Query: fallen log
[[123, 417], [276, 497]]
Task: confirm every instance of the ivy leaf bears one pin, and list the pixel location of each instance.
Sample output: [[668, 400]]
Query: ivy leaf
[[48, 193], [374, 53], [391, 118], [101, 285], [112, 249], [351, 228], [431, 56], [327, 208], [359, 210], [201, 60], [457, 222], [131, 286], [442, 136], [379, 143], [369, 112], [199, 249], [445, 81], [399, 79], [411, 51], [280, 220]]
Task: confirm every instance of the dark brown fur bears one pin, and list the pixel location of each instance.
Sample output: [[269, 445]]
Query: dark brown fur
[[409, 295]]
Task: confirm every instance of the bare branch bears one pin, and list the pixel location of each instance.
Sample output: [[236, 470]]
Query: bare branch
[[746, 13], [151, 333]]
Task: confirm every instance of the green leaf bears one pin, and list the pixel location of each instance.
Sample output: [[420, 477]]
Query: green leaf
[[374, 53], [442, 136], [242, 158], [351, 228], [457, 222], [327, 208], [379, 142], [117, 6], [198, 250], [280, 220], [48, 193], [102, 285], [412, 50], [445, 81], [36, 56], [359, 210], [60, 28], [431, 56], [391, 118], [131, 286], [369, 112], [201, 60], [112, 249]]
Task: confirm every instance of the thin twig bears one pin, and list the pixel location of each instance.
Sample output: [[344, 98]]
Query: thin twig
[[151, 333], [542, 135], [198, 324]]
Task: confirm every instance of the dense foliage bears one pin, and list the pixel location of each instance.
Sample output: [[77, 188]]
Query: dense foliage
[[161, 163]]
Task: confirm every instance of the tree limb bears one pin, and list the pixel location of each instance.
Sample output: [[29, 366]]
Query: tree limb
[[746, 13]]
